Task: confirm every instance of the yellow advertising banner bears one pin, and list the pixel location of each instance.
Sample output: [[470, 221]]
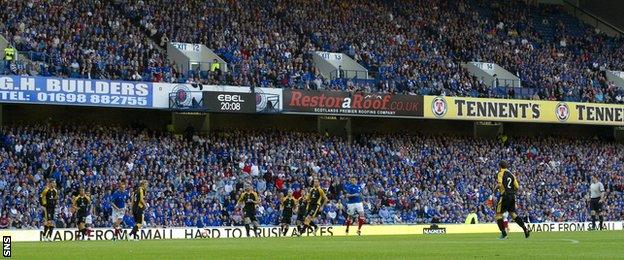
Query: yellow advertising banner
[[516, 110]]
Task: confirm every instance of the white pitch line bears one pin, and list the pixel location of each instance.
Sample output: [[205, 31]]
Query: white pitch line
[[571, 240]]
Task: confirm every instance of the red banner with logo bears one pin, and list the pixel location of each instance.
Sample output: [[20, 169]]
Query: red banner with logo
[[347, 103]]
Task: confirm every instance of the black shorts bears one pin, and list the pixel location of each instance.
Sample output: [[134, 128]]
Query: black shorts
[[301, 215], [506, 203], [48, 214], [313, 210], [81, 217], [137, 214], [251, 214], [286, 217], [595, 205]]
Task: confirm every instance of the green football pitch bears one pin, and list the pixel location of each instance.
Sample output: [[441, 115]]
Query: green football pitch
[[556, 245]]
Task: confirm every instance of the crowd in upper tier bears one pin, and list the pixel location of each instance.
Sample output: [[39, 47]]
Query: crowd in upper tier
[[195, 180], [407, 46]]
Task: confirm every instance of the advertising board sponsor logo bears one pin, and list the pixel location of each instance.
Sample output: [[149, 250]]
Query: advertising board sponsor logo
[[483, 109], [85, 92], [182, 95], [226, 97], [185, 233], [239, 232], [599, 113], [439, 106], [345, 103], [538, 111], [569, 226], [229, 102], [267, 102], [562, 112], [496, 109], [434, 231]]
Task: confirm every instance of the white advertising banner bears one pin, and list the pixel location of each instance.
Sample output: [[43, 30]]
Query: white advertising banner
[[273, 231], [65, 234]]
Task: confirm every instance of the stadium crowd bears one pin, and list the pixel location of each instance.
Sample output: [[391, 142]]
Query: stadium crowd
[[260, 48], [418, 46], [408, 46], [194, 180], [82, 39]]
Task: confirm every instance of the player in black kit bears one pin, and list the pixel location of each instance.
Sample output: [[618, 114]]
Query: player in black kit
[[301, 212], [48, 200], [81, 204], [250, 199], [316, 200], [507, 186], [289, 203], [138, 207]]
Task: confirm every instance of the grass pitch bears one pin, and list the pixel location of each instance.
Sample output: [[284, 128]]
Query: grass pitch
[[556, 245]]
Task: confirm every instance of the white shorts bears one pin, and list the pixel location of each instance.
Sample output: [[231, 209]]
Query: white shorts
[[89, 220], [118, 214], [352, 208]]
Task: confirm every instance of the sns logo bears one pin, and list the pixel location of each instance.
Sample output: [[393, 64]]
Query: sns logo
[[6, 246], [562, 112], [439, 107]]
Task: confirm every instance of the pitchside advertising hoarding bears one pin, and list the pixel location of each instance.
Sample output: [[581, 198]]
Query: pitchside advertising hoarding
[[529, 111], [356, 104], [273, 231]]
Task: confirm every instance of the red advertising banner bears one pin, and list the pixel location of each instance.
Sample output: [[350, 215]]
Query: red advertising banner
[[346, 103]]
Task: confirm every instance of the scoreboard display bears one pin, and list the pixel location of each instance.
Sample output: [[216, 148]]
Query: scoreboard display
[[229, 102]]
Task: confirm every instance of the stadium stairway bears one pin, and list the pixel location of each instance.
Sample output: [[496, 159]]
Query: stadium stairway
[[153, 39]]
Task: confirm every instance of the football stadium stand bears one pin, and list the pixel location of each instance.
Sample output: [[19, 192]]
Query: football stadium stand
[[417, 47], [194, 181]]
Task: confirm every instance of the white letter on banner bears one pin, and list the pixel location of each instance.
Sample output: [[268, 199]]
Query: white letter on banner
[[114, 88], [27, 83], [346, 103], [69, 86], [141, 89], [127, 89], [88, 89], [6, 83], [80, 87], [101, 87], [53, 85]]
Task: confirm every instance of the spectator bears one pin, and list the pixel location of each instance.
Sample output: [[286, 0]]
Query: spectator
[[5, 222]]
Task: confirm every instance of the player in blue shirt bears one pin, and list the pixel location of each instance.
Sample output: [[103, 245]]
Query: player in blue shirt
[[354, 204], [118, 202]]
